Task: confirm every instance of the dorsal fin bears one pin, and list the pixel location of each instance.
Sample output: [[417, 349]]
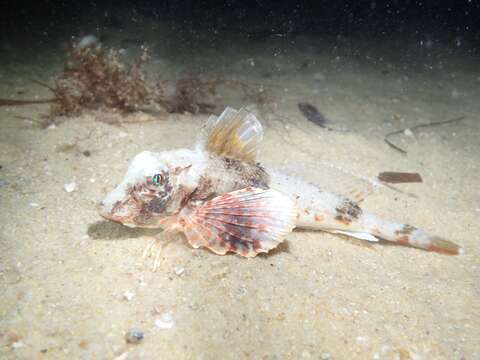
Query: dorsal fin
[[234, 134]]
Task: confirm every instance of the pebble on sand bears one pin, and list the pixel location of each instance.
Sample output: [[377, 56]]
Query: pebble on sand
[[134, 336]]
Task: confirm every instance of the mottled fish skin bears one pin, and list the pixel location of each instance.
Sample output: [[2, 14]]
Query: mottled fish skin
[[320, 210], [221, 199]]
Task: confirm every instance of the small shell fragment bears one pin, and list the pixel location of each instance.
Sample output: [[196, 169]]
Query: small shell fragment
[[165, 322], [179, 271], [128, 295], [70, 186]]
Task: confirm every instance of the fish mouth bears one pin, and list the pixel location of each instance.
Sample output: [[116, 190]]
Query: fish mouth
[[110, 216]]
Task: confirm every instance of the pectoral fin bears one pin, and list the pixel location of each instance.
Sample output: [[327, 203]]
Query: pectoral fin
[[247, 222], [234, 134]]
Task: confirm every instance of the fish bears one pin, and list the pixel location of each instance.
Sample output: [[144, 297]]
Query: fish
[[222, 199], [312, 114]]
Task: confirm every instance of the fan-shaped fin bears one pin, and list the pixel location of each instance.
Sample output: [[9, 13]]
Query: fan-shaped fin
[[234, 134], [247, 222]]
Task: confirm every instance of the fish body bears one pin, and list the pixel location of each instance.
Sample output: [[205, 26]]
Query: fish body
[[220, 198]]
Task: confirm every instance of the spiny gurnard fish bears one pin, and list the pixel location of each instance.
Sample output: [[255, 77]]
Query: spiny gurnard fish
[[220, 198]]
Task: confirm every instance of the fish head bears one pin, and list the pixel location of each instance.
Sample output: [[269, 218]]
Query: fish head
[[146, 196]]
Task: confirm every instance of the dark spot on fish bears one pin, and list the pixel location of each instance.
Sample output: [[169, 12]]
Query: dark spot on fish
[[237, 244], [204, 191], [248, 174], [403, 235], [312, 114], [233, 164], [347, 212], [405, 231], [157, 205], [259, 183], [239, 236]]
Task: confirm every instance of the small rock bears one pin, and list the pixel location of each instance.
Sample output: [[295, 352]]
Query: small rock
[[165, 322], [134, 336], [325, 356], [86, 153], [128, 295], [70, 186], [408, 132], [34, 204], [242, 290], [179, 270]]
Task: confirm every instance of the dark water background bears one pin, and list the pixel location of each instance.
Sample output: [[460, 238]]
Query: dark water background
[[424, 25]]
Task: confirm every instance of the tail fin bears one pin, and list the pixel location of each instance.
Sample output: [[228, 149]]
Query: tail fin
[[443, 246], [365, 225], [408, 235]]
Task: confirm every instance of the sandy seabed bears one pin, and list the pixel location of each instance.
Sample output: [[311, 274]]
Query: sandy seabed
[[72, 284]]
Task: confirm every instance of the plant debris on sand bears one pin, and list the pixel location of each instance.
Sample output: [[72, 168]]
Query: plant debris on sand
[[97, 78], [94, 77]]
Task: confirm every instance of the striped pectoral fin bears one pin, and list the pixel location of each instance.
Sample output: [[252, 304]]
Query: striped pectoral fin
[[246, 222]]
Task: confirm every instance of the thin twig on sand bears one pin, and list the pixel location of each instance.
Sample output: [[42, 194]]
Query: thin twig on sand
[[436, 123]]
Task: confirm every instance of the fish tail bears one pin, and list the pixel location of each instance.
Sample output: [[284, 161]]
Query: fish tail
[[350, 220], [408, 235]]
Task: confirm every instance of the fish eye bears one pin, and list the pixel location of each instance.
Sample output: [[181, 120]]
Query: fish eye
[[157, 179]]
